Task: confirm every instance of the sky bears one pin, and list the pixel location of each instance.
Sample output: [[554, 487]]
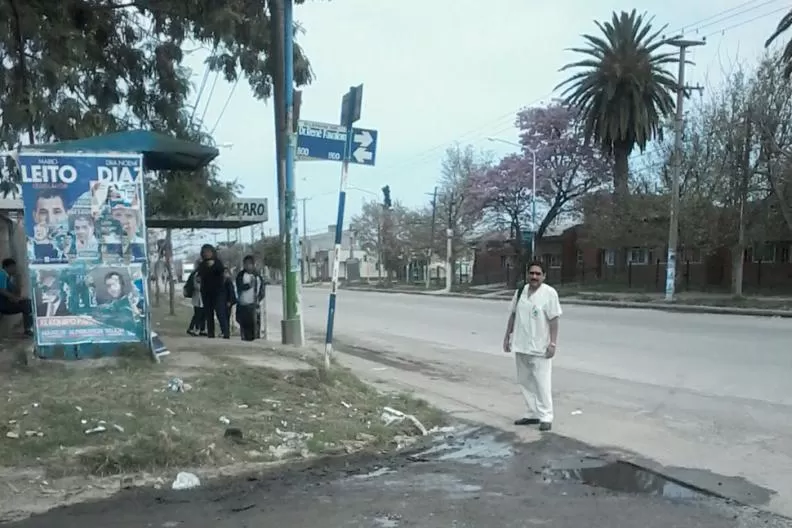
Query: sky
[[439, 72]]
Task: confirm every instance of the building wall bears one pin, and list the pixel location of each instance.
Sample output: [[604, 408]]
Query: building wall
[[569, 260]]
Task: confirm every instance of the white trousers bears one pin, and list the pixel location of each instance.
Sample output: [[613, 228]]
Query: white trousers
[[534, 374]]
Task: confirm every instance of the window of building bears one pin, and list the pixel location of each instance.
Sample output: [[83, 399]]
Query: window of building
[[610, 257], [553, 261], [692, 255], [638, 256], [764, 253], [579, 257], [784, 255]]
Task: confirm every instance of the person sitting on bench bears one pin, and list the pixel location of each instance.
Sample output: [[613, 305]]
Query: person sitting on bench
[[11, 303]]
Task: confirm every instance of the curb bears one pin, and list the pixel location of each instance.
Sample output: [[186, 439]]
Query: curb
[[679, 308]]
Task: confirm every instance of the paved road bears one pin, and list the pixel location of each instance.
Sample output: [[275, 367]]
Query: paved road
[[696, 392]]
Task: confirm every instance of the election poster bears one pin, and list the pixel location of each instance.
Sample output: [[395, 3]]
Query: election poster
[[85, 225], [83, 207], [89, 303]]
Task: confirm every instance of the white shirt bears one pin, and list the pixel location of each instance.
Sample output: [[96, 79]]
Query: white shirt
[[533, 313], [249, 296]]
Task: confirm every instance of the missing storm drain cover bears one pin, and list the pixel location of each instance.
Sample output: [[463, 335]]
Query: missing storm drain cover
[[621, 477]]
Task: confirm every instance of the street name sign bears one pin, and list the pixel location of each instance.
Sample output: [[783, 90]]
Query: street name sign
[[325, 141]]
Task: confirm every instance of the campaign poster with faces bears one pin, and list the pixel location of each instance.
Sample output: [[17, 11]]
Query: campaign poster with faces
[[89, 304], [81, 207], [85, 225]]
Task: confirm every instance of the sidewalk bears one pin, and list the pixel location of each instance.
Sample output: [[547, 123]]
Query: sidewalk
[[685, 302]]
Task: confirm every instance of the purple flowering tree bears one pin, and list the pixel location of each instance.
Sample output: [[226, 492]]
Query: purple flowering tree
[[567, 169]]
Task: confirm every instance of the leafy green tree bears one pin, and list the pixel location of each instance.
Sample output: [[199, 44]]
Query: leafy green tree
[[622, 88], [269, 252], [76, 68]]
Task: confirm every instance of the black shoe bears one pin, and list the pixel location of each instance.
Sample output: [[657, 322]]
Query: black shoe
[[545, 426], [203, 334], [526, 421]]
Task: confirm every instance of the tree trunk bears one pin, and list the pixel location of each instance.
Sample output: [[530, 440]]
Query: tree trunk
[[621, 171], [157, 286], [779, 190], [621, 180], [738, 252], [169, 271]]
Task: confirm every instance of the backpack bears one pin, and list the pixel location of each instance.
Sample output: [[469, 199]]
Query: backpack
[[189, 286]]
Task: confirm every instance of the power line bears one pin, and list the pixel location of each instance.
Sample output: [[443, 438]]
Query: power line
[[754, 19], [738, 14], [705, 22], [225, 106], [209, 98], [200, 94]]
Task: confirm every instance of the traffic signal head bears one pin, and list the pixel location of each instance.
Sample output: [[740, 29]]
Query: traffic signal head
[[386, 197]]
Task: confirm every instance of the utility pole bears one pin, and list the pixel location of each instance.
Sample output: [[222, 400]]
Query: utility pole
[[449, 279], [379, 244], [306, 270], [673, 223], [386, 207], [286, 140], [279, 96], [431, 241]]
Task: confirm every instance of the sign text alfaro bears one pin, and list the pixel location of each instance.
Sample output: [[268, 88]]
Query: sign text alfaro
[[251, 209]]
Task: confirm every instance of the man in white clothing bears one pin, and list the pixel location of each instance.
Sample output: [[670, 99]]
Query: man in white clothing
[[531, 334]]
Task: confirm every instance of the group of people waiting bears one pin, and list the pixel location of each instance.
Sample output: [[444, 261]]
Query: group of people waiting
[[214, 294]]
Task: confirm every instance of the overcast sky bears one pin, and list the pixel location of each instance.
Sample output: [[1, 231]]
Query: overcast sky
[[440, 71]]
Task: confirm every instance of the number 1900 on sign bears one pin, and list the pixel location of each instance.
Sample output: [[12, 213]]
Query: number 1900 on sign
[[303, 152]]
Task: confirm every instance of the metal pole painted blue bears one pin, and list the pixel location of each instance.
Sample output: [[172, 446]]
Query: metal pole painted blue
[[291, 327], [339, 230]]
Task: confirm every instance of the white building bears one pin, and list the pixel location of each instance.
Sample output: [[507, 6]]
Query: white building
[[317, 258]]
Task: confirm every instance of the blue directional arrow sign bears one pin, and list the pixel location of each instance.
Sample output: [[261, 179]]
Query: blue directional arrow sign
[[325, 141]]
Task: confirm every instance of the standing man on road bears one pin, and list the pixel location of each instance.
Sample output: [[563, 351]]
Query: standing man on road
[[531, 334]]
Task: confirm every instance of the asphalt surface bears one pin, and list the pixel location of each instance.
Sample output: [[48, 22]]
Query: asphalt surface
[[705, 396], [475, 478]]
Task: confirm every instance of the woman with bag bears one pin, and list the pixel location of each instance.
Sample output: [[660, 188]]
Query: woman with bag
[[192, 291]]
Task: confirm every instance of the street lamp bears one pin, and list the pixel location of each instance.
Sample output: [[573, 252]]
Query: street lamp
[[533, 187], [225, 146]]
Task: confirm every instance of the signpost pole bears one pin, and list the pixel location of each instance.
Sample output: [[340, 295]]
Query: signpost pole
[[350, 112], [291, 326]]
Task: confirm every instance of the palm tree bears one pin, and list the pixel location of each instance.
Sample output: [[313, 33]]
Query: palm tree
[[622, 90], [782, 27]]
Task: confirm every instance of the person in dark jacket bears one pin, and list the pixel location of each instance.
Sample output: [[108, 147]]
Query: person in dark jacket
[[250, 292], [213, 291], [231, 297]]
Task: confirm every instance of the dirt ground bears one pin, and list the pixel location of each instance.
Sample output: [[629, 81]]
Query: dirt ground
[[83, 430]]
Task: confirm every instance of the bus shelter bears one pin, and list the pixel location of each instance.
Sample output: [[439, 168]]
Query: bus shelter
[[85, 223]]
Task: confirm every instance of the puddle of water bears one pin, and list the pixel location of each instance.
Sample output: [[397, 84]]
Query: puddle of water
[[454, 488], [374, 474], [385, 522], [484, 450], [621, 477]]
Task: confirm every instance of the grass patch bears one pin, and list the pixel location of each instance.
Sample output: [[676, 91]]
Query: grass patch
[[147, 427]]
